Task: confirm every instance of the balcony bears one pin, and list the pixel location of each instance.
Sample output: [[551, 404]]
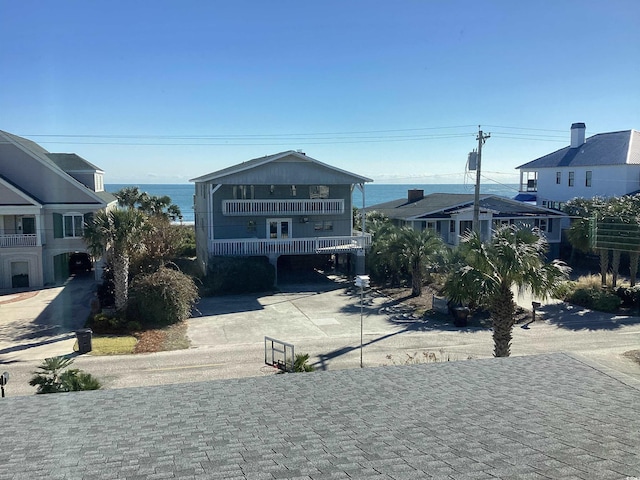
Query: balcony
[[288, 246], [283, 207], [18, 240]]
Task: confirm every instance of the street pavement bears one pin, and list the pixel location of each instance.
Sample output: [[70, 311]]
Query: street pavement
[[323, 320]]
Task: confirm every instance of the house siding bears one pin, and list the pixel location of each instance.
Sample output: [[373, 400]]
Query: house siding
[[606, 181], [227, 227], [32, 191]]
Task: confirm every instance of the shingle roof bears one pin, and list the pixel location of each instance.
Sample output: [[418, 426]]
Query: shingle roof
[[615, 148], [442, 205], [548, 416], [256, 162], [72, 162]]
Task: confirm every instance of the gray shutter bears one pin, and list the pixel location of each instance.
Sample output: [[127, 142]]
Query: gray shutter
[[57, 226]]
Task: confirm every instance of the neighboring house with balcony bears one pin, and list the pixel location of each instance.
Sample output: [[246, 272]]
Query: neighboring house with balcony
[[604, 165], [287, 204], [45, 198], [450, 215]]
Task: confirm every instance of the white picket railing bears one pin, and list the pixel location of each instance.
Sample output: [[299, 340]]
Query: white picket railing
[[288, 246], [18, 240], [282, 207]]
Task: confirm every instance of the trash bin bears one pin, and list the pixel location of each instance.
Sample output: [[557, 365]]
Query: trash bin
[[84, 340], [460, 316]]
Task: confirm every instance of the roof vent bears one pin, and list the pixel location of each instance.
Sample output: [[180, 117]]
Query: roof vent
[[577, 134], [415, 194]]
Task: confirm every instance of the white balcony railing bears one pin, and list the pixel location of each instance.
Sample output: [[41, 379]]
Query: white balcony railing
[[283, 207], [18, 240], [288, 246]]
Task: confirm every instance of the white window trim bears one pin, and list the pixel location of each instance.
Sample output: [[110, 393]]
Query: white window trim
[[73, 216]]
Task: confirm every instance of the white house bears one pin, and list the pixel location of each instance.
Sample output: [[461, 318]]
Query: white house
[[45, 198], [606, 165]]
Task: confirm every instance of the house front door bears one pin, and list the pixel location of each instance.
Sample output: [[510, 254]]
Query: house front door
[[278, 228]]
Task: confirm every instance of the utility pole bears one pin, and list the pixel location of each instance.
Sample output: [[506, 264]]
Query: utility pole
[[476, 203]]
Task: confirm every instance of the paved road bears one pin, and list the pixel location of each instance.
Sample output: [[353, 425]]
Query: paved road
[[323, 320]]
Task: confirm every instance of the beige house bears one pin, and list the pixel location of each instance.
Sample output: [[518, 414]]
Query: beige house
[[45, 198]]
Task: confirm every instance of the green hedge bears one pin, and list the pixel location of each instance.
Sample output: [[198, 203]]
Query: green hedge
[[599, 299]]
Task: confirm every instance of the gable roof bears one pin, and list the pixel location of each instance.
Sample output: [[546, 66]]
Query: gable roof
[[72, 162], [19, 192], [48, 162], [220, 176], [615, 148], [443, 205]]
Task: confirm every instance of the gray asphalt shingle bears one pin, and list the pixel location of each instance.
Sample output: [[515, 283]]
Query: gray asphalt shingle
[[547, 416]]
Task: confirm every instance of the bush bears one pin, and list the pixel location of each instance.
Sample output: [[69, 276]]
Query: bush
[[630, 296], [103, 323], [598, 298], [55, 376], [228, 275], [161, 298]]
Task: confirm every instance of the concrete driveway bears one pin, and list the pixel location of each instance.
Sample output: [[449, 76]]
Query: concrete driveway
[[41, 323], [227, 336]]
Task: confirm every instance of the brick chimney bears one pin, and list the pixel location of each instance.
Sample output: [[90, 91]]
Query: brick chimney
[[577, 134], [414, 195]]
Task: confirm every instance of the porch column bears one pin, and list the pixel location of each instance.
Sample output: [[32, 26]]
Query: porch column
[[273, 260], [360, 264]]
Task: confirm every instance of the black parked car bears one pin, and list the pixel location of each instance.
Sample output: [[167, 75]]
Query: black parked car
[[79, 262]]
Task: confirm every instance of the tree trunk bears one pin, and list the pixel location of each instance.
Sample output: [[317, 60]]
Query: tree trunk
[[604, 265], [633, 267], [615, 267], [502, 315], [121, 279], [416, 280]]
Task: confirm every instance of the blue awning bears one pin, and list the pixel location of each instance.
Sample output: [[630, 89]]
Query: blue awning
[[526, 197]]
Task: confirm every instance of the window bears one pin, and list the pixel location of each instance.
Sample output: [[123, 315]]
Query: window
[[587, 178], [541, 223], [571, 179], [558, 178], [73, 224], [318, 191], [327, 225], [243, 192]]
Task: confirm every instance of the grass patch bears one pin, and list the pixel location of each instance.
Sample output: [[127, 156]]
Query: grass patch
[[112, 344]]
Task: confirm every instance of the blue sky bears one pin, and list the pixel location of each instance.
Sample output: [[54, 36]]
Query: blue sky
[[164, 91]]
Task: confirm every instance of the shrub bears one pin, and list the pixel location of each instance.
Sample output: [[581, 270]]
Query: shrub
[[161, 298], [595, 298], [55, 376], [103, 323], [239, 275], [301, 363], [630, 296]]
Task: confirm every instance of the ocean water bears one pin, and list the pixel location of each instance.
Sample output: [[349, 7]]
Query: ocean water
[[182, 194]]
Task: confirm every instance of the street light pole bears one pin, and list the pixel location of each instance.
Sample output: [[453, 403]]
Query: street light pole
[[362, 281]]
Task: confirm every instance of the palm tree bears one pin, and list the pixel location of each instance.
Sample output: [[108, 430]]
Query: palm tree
[[119, 233], [160, 207], [409, 250], [514, 257], [129, 197]]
